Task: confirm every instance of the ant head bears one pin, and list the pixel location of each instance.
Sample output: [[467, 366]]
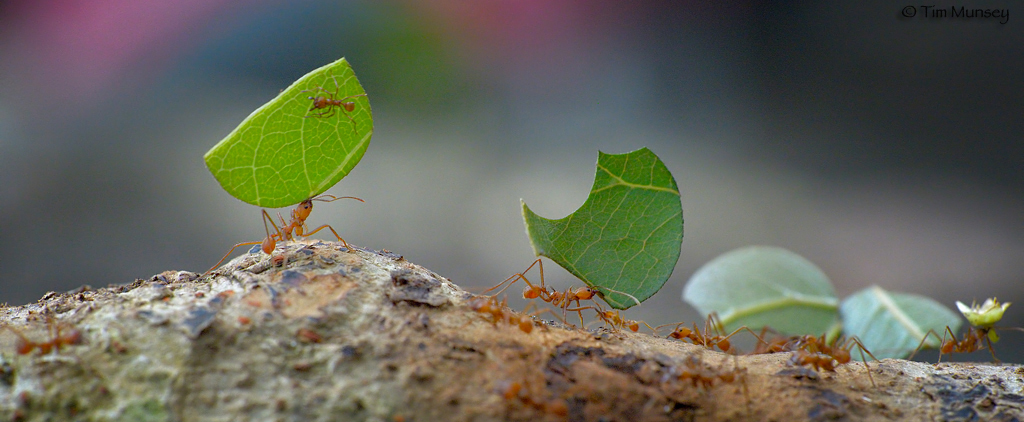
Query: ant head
[[681, 333], [479, 302], [585, 293], [303, 209]]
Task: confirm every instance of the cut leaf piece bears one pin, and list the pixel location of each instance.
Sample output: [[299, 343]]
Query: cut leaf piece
[[624, 240], [891, 325], [284, 153], [760, 286]]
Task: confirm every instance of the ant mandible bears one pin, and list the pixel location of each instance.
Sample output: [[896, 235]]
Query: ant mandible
[[330, 103], [296, 226]]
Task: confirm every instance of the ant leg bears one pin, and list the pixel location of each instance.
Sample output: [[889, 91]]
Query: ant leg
[[923, 341], [522, 277], [332, 231], [737, 331], [988, 342], [600, 315], [862, 349], [229, 254], [952, 338], [268, 241]]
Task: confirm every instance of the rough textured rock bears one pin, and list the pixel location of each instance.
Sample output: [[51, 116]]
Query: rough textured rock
[[318, 332]]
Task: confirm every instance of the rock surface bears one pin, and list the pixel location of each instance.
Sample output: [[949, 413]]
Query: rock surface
[[320, 333]]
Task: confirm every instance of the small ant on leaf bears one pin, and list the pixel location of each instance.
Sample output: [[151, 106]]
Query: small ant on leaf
[[982, 319], [330, 103], [297, 227]]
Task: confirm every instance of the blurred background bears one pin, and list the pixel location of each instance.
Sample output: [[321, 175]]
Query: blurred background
[[885, 149]]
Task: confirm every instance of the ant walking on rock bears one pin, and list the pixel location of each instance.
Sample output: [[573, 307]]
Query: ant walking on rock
[[557, 299], [500, 312], [982, 319], [821, 354], [57, 339], [288, 231], [706, 339]]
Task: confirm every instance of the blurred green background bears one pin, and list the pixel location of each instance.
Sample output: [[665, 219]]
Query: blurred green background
[[885, 149]]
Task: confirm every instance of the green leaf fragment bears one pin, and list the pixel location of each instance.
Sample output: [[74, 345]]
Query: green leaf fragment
[[759, 286], [893, 324], [624, 240], [284, 153], [984, 315]]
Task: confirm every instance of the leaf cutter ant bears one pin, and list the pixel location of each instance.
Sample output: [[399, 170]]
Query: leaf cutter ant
[[562, 300], [57, 340], [297, 227], [982, 319], [821, 354], [712, 324]]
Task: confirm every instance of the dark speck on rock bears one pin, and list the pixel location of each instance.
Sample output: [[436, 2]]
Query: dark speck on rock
[[197, 320], [293, 278]]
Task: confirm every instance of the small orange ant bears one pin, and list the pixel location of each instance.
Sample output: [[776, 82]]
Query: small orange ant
[[707, 340], [777, 344], [521, 391], [700, 375], [971, 341], [330, 103], [615, 320], [820, 354], [556, 298], [297, 227], [57, 340], [490, 306], [982, 319]]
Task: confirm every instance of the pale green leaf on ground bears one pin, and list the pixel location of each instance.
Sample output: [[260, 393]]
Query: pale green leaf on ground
[[624, 240], [760, 286], [891, 325], [284, 153]]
